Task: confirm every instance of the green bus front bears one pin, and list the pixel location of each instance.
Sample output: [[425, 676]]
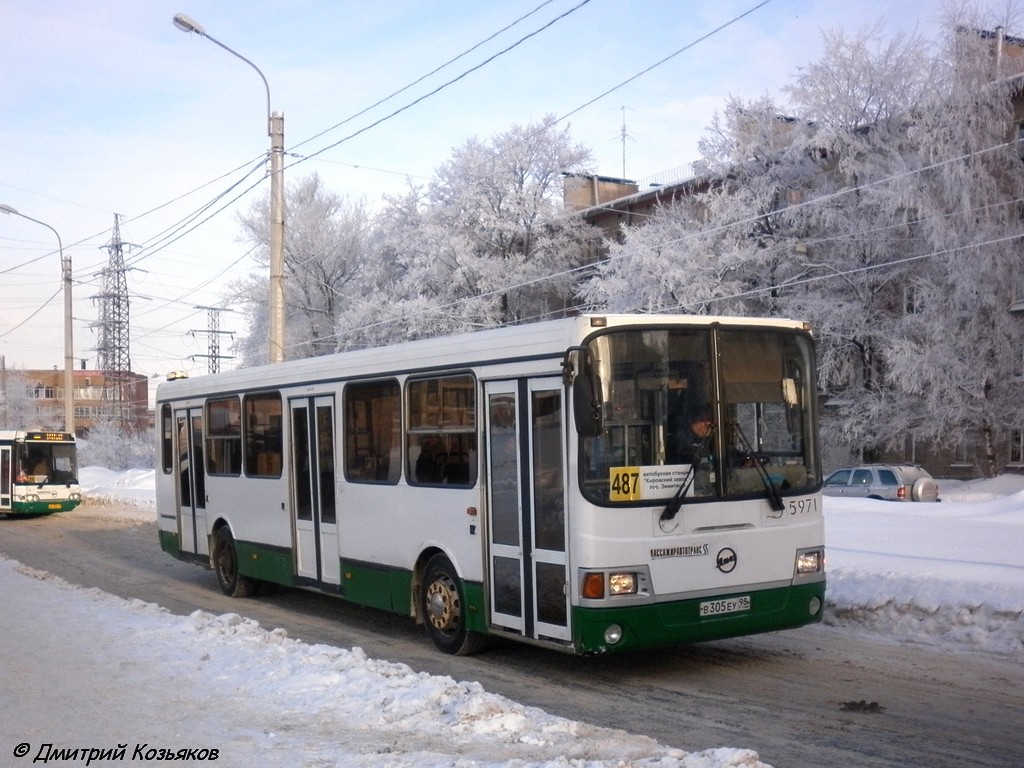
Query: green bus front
[[38, 472]]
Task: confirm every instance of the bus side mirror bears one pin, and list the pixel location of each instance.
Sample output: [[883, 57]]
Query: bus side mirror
[[586, 403], [586, 408]]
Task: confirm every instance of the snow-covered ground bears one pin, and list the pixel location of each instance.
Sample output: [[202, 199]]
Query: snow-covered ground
[[121, 670]]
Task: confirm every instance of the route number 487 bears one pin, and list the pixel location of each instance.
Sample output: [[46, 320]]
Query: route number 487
[[624, 483]]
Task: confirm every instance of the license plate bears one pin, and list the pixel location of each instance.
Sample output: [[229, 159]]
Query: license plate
[[53, 506], [728, 605]]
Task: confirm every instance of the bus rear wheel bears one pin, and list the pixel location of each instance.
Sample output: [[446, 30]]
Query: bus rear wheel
[[225, 563], [443, 608]]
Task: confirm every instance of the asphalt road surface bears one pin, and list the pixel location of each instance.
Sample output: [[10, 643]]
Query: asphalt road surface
[[794, 696]]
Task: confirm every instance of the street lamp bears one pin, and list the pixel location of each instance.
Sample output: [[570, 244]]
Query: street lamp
[[69, 381], [275, 129]]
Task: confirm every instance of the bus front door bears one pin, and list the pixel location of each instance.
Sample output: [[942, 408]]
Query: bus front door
[[6, 476], [191, 477], [313, 504], [526, 503]]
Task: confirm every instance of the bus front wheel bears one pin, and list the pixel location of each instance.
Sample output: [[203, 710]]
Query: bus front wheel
[[225, 563], [443, 608]]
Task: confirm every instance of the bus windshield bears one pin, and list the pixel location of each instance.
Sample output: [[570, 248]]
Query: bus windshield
[[40, 463], [703, 413]]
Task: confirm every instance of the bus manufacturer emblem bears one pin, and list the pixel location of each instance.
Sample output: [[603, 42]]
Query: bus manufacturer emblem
[[726, 560]]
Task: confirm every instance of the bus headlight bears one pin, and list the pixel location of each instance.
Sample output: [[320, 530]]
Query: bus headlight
[[622, 584], [810, 561], [613, 634], [611, 585]]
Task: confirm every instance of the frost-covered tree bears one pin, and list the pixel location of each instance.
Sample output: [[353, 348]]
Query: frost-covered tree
[[957, 353], [109, 445], [17, 409], [882, 203], [325, 247], [724, 249], [487, 241], [860, 98]]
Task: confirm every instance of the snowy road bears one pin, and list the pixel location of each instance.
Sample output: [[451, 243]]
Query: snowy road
[[794, 697]]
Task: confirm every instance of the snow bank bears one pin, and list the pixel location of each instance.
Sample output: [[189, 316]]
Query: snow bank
[[129, 672]]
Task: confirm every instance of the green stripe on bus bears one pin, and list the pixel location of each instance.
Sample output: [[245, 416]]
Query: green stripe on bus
[[41, 507], [276, 565], [169, 543]]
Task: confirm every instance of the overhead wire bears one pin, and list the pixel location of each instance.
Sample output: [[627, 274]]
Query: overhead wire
[[42, 306], [191, 222], [420, 79], [178, 229], [183, 228], [447, 84], [752, 219], [565, 116]]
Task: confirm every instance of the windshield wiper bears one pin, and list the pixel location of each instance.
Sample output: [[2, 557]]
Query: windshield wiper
[[774, 496], [676, 502]]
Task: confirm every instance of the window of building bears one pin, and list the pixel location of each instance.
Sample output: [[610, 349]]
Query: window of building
[[373, 429], [224, 437], [962, 453], [910, 449], [1017, 446], [441, 441]]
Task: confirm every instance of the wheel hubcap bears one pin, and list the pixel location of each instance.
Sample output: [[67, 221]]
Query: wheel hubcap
[[443, 604]]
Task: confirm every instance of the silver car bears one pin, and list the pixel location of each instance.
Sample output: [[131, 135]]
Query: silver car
[[892, 482]]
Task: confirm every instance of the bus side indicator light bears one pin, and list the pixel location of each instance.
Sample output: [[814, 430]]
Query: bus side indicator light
[[593, 586]]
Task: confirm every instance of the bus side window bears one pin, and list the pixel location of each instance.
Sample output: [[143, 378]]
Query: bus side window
[[224, 437], [373, 432], [441, 442], [263, 435]]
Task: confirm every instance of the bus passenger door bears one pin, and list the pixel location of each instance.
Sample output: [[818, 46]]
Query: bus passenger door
[[313, 489], [190, 471], [526, 503], [6, 477]]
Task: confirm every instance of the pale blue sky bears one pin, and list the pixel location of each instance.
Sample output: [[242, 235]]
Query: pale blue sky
[[107, 107]]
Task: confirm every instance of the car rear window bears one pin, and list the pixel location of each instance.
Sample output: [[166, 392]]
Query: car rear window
[[887, 477]]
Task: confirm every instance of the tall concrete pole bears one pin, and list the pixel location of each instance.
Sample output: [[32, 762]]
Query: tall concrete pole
[[277, 318]]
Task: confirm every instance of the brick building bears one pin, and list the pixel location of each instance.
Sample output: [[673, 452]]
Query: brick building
[[99, 396]]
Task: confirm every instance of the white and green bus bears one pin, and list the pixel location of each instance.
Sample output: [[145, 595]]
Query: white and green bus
[[593, 484], [38, 472]]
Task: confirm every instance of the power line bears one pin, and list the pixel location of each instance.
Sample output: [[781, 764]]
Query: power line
[[190, 223], [752, 219], [441, 87], [420, 79]]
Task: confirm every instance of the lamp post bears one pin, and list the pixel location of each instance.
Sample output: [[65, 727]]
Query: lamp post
[[65, 267], [275, 129]]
